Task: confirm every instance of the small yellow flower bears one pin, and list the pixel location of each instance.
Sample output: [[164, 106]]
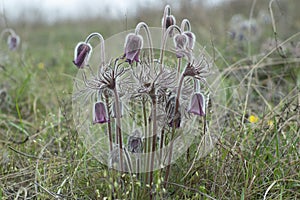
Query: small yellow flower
[[270, 123], [253, 119], [41, 65]]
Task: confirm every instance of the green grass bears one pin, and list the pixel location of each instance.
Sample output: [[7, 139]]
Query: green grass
[[42, 157]]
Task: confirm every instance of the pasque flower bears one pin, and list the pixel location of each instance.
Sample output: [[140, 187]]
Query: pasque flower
[[168, 21], [100, 115], [191, 39], [180, 42], [197, 104], [13, 42], [82, 54], [135, 144], [132, 47]]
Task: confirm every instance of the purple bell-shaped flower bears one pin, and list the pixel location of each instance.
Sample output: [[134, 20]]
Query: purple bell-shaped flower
[[180, 42], [135, 143], [168, 21], [100, 115], [197, 104], [191, 39], [82, 54], [133, 46], [13, 42]]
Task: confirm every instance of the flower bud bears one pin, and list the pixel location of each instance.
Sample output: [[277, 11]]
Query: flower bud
[[13, 42], [167, 22], [191, 39], [197, 104], [99, 113], [132, 47], [82, 54], [135, 144], [180, 42]]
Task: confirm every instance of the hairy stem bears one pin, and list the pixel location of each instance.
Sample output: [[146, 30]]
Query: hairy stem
[[108, 124], [118, 127], [163, 44], [145, 121], [150, 43], [154, 120], [102, 47], [185, 23], [7, 30], [168, 170], [161, 145], [178, 66], [167, 12]]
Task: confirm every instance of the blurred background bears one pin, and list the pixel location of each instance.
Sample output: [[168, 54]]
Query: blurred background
[[210, 18], [51, 11]]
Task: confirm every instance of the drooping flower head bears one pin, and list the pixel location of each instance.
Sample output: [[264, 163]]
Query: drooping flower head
[[13, 41], [180, 42], [191, 39], [82, 54], [168, 21], [197, 104], [135, 144], [132, 47], [100, 115]]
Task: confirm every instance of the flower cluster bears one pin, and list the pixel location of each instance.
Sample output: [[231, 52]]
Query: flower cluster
[[241, 29], [140, 94]]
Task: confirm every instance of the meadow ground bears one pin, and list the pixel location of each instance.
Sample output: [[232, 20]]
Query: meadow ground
[[255, 157]]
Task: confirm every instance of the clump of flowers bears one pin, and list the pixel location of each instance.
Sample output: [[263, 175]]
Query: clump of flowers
[[241, 29], [140, 100], [13, 40]]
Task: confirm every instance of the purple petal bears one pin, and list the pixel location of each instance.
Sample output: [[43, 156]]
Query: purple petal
[[132, 47], [100, 113], [132, 56], [197, 105], [81, 54]]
